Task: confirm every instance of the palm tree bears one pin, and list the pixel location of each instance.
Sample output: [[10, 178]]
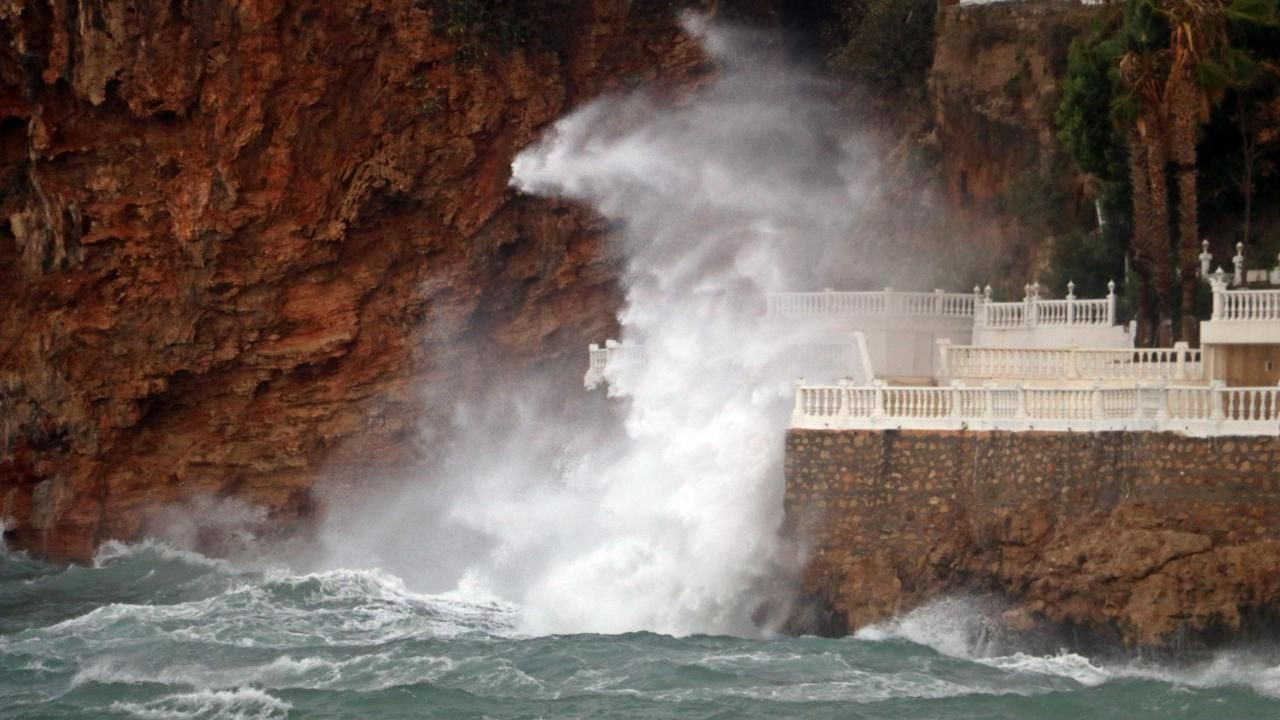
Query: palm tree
[[1142, 110], [1202, 65]]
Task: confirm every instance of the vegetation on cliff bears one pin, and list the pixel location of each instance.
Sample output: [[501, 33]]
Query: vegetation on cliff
[[1155, 82], [886, 45]]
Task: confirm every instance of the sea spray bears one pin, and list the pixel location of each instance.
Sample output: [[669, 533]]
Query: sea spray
[[668, 520]]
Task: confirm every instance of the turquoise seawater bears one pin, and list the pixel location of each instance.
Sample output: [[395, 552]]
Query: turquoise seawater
[[152, 632]]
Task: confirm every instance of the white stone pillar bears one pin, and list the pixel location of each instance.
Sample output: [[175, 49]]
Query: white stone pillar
[[944, 360], [1219, 285]]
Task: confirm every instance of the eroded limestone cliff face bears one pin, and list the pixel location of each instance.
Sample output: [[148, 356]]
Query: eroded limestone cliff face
[[242, 241], [1108, 540], [993, 90]]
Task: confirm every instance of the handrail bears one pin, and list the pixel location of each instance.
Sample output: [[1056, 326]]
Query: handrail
[[968, 362], [1202, 411], [613, 355], [877, 302], [1034, 312], [1244, 305], [850, 360]]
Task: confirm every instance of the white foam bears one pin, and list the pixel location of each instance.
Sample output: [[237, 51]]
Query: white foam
[[1068, 665], [954, 626], [1227, 669], [238, 704], [114, 551]]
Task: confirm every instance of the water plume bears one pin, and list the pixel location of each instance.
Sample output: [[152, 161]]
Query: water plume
[[667, 521]]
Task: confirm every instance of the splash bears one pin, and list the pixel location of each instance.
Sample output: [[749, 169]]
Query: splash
[[668, 520]]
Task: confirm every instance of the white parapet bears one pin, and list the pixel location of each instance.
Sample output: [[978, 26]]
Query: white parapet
[[1242, 317], [833, 361], [613, 357], [1198, 411], [877, 302], [1036, 322], [1180, 364]]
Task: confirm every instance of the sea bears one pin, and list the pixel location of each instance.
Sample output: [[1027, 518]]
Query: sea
[[150, 631]]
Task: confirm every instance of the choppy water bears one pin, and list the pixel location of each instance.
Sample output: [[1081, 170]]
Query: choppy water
[[152, 632]]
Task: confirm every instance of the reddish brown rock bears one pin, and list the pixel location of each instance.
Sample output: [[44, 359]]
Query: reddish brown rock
[[242, 242]]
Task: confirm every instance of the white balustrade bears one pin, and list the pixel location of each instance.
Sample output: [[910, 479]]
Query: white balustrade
[[849, 360], [1201, 411], [1179, 363], [1036, 312], [610, 358], [879, 302], [1246, 305]]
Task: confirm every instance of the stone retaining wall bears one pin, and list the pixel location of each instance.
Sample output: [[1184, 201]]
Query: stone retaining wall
[[1135, 536]]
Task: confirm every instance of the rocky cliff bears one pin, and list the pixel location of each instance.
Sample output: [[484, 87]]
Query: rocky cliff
[[1106, 540], [240, 242], [993, 90]]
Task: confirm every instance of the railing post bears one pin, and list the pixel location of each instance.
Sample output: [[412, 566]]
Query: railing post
[[1099, 411], [1182, 349], [1111, 303], [1073, 367], [1022, 402], [1216, 392], [1219, 285], [798, 411], [877, 410], [1028, 306], [828, 301], [937, 300], [889, 302], [944, 360]]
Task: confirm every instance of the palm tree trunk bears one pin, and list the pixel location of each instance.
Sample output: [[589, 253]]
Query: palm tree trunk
[[1184, 106], [1161, 242], [1189, 246], [1141, 246]]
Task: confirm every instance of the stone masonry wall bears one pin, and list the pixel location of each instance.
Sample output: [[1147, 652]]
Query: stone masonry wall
[[1147, 539]]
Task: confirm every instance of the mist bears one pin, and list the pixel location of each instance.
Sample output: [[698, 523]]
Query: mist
[[668, 519]]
